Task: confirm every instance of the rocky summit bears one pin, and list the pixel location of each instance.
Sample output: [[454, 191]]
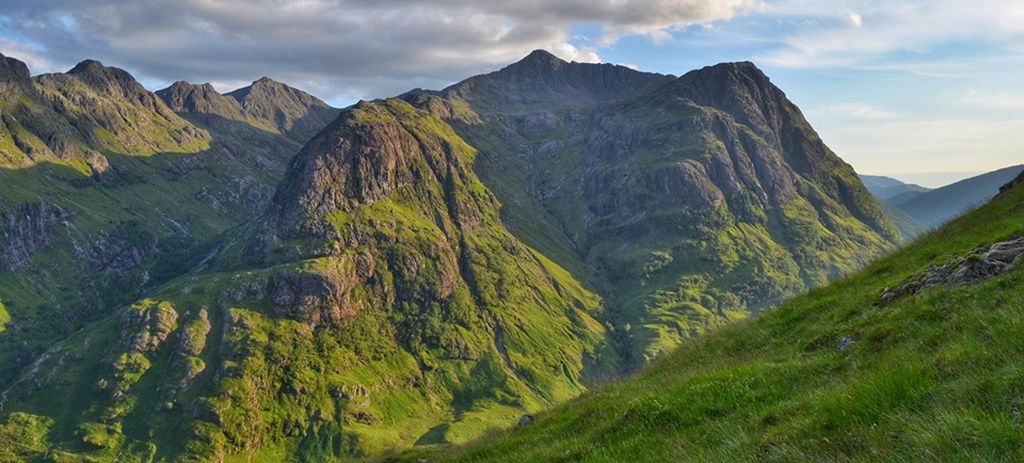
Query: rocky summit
[[404, 272]]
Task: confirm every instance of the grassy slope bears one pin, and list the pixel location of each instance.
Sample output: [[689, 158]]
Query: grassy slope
[[932, 377]]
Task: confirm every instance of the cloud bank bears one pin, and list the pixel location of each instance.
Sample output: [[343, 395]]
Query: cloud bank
[[336, 48]]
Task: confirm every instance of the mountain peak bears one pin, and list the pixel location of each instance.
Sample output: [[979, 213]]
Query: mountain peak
[[262, 84], [186, 86], [739, 88], [728, 71], [13, 70], [89, 65], [542, 56], [541, 77], [107, 78], [537, 62], [285, 108], [266, 81], [186, 97]]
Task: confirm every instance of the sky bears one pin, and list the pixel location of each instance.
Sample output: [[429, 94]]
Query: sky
[[926, 91]]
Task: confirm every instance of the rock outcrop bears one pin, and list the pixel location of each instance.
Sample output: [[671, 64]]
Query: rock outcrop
[[980, 264], [26, 229]]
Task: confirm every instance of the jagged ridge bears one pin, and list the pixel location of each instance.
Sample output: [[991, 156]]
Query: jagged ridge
[[105, 190]]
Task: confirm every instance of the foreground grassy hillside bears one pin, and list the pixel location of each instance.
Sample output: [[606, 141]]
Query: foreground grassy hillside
[[833, 375]]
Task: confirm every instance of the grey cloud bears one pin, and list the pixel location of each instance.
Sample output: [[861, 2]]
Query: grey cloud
[[342, 49]]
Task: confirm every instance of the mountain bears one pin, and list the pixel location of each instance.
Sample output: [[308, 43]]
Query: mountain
[[855, 371], [686, 202], [105, 191], [909, 227], [436, 265], [267, 105], [937, 206], [887, 188]]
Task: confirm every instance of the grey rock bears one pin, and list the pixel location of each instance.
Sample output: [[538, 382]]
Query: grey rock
[[144, 329], [980, 264], [26, 229]]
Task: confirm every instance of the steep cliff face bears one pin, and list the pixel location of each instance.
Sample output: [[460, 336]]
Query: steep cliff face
[[14, 76], [26, 229]]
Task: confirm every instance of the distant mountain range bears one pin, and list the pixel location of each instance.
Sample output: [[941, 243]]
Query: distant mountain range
[[887, 187], [929, 208]]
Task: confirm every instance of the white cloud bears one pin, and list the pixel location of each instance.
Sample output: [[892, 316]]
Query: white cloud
[[997, 101], [348, 47], [34, 57], [855, 19], [570, 52], [860, 111], [899, 26]]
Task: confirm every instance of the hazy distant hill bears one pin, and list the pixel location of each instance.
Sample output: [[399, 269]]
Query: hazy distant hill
[[934, 207], [888, 187]]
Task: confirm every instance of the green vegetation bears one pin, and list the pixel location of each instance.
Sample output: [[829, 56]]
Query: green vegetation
[[832, 375], [4, 317], [669, 224], [23, 437]]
